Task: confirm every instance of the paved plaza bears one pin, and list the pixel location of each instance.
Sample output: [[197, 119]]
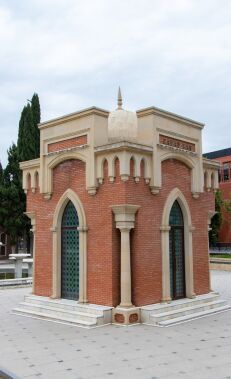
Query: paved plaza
[[32, 348]]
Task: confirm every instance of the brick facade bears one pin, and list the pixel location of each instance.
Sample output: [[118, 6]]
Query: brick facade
[[103, 239]]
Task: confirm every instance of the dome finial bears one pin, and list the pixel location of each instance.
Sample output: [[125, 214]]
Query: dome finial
[[119, 99]]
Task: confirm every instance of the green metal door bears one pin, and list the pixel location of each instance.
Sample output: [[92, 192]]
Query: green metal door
[[176, 251], [70, 253]]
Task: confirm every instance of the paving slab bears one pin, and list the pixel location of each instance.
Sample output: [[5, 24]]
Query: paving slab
[[199, 349]]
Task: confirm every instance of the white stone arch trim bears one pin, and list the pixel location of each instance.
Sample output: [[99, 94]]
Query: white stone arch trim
[[67, 196], [112, 165], [205, 178], [34, 180], [59, 159], [28, 178], [147, 166], [191, 162], [212, 180], [104, 159], [174, 195], [136, 165]]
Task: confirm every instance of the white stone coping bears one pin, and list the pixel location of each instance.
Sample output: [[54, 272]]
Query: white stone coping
[[122, 145], [15, 282], [18, 256], [28, 260]]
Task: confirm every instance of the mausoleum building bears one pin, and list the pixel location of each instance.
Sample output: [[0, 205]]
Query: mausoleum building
[[120, 212]]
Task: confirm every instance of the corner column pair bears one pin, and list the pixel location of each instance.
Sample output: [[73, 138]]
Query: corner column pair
[[125, 221]]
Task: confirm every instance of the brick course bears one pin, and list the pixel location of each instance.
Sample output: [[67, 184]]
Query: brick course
[[67, 143]]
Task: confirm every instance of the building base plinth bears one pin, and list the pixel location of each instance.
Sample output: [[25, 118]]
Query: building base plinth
[[64, 311], [183, 310], [126, 316]]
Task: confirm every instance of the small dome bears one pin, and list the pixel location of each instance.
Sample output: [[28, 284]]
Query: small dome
[[122, 124]]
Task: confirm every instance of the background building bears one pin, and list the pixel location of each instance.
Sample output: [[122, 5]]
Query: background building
[[224, 158]]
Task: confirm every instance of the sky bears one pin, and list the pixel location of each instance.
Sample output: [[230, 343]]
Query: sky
[[172, 54]]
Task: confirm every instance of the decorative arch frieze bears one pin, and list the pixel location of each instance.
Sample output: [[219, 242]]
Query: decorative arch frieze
[[210, 180], [124, 158]]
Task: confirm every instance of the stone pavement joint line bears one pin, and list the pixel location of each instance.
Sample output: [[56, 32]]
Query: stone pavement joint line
[[31, 348]]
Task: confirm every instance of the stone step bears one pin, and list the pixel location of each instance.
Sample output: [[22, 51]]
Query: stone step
[[179, 312], [181, 303], [193, 316], [67, 304], [64, 313], [65, 310], [54, 318]]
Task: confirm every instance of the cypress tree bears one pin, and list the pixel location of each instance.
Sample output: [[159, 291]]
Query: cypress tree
[[29, 138], [1, 174], [21, 133], [35, 107], [28, 133], [12, 204], [12, 197]]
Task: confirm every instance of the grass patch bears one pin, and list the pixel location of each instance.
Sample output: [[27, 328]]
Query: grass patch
[[10, 275], [220, 255]]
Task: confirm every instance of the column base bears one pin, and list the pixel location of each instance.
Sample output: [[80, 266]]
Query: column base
[[166, 300], [126, 316]]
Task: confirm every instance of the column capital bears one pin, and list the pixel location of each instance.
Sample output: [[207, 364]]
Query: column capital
[[125, 215], [83, 228], [165, 228]]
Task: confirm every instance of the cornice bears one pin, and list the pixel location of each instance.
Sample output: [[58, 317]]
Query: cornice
[[73, 116], [123, 145], [169, 115], [211, 163], [33, 163]]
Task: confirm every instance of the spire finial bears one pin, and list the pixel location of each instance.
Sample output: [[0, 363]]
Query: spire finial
[[119, 100]]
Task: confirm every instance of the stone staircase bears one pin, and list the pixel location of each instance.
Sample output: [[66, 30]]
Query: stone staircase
[[178, 311], [64, 311]]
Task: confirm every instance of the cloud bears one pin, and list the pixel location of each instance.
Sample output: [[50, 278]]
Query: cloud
[[174, 54]]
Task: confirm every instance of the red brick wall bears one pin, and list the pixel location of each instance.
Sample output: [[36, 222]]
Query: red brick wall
[[104, 239], [67, 143], [146, 238]]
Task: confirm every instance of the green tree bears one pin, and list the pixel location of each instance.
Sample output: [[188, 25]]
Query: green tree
[[12, 198], [1, 173], [217, 219], [21, 135], [28, 133], [26, 139], [35, 107]]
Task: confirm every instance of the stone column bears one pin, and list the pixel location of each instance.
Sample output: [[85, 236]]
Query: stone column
[[125, 219], [83, 264], [31, 215], [210, 216], [189, 262], [125, 278], [166, 296], [210, 284], [33, 230], [56, 263]]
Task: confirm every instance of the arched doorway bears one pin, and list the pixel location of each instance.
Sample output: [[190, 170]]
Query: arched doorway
[[70, 253], [176, 253]]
